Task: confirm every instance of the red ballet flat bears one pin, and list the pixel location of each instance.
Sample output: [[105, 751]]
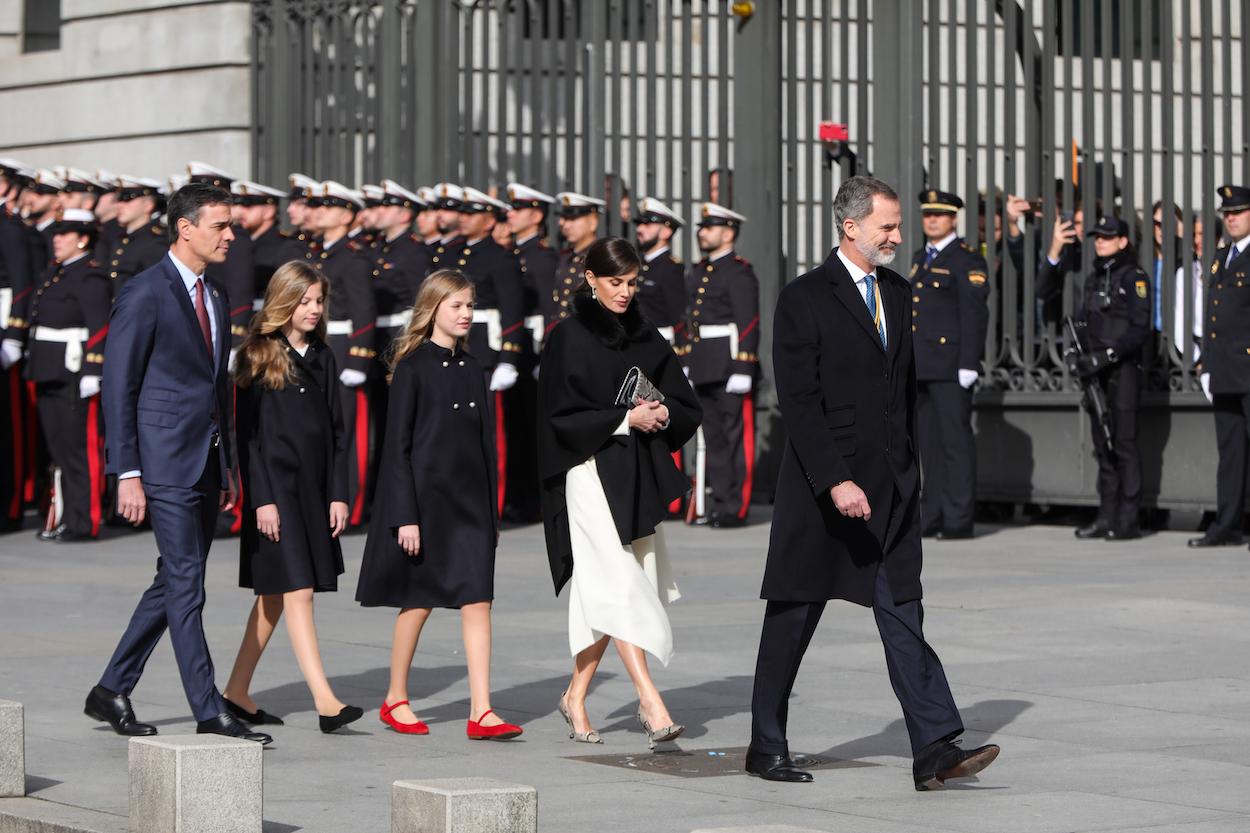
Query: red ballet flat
[[418, 728], [504, 731]]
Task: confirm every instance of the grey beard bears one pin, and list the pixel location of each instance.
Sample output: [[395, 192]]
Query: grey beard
[[874, 255]]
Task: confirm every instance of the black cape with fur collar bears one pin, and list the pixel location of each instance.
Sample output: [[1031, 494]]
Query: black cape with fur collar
[[585, 359]]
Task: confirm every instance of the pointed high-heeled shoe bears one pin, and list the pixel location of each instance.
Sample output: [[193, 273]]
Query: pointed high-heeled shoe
[[578, 737], [670, 732]]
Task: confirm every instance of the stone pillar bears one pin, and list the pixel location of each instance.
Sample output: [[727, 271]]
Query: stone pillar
[[12, 750], [463, 805], [195, 784]]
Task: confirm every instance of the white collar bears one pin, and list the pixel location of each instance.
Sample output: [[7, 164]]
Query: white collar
[[188, 277], [727, 253], [857, 274], [944, 242], [73, 259], [519, 243], [1242, 245], [43, 224], [653, 255]]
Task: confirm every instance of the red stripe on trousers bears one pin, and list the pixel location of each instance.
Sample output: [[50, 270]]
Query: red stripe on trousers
[[17, 416], [748, 449], [501, 450], [362, 455], [95, 471], [31, 440], [674, 508]]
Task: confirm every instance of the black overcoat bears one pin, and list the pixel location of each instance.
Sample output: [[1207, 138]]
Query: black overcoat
[[848, 407], [292, 452], [585, 359], [438, 471]]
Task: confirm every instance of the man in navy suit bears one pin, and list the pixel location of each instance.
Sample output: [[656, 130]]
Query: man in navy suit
[[166, 403]]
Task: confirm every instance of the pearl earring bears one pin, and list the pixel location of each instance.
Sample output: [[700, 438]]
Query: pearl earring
[[593, 293]]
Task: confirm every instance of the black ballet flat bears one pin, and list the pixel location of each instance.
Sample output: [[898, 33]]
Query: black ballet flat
[[349, 714], [256, 718]]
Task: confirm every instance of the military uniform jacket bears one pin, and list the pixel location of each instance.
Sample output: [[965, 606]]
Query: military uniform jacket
[[570, 274], [236, 275], [496, 276], [399, 266], [130, 252], [70, 296], [538, 270], [1226, 324], [723, 292], [352, 312], [950, 312], [443, 252], [1115, 306], [662, 290], [16, 274], [269, 251]]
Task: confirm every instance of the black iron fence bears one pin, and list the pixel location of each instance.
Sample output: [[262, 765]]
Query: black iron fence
[[1096, 105]]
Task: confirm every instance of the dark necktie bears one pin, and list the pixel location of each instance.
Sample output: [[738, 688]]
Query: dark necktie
[[201, 312], [930, 252], [1233, 254]]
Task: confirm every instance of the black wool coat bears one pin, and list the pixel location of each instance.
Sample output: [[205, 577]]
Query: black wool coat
[[848, 407], [585, 360], [292, 453]]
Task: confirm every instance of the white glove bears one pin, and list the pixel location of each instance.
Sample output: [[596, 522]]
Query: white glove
[[504, 377], [352, 378], [967, 378], [1205, 381], [230, 362], [686, 370], [537, 368], [739, 383], [10, 353], [88, 386]]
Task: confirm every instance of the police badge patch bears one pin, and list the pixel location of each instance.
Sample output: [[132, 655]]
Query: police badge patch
[[1141, 290]]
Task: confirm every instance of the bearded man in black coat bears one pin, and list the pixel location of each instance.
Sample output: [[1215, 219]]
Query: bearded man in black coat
[[846, 523]]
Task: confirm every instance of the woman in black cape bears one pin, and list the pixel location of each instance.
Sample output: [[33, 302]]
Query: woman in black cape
[[608, 478]]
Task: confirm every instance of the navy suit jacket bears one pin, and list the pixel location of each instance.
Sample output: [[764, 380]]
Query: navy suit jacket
[[164, 396]]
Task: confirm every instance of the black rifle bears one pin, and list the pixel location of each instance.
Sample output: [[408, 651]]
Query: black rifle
[[1093, 398]]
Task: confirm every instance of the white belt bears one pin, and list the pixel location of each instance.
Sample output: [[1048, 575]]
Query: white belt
[[339, 328], [399, 319], [729, 331], [257, 304], [6, 305], [72, 338], [667, 332], [534, 323], [494, 329]]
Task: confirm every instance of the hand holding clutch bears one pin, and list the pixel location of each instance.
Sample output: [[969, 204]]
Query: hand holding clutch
[[637, 388]]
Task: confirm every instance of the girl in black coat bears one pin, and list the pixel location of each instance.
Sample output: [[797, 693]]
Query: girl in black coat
[[607, 480], [435, 523], [292, 458]]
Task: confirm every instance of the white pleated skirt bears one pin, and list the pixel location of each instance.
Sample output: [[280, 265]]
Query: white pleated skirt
[[618, 591]]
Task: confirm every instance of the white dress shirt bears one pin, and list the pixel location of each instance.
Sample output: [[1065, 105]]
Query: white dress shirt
[[858, 275], [1241, 245], [942, 244]]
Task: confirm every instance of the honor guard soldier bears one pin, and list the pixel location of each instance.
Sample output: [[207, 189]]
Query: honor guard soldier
[[18, 244], [237, 273], [662, 284], [141, 240], [301, 188], [365, 227], [400, 264], [69, 320], [81, 190], [579, 226], [1113, 322], [41, 201], [448, 199], [106, 210], [427, 219], [351, 326], [722, 357], [498, 330], [1225, 365], [527, 217], [949, 318], [255, 210]]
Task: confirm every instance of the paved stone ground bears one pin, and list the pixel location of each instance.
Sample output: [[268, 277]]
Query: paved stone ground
[[1115, 676]]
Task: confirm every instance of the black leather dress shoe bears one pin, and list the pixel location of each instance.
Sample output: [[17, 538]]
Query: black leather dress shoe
[[1098, 529], [1130, 532], [775, 768], [224, 724], [954, 534], [69, 536], [256, 718], [942, 760], [727, 522], [1210, 540], [114, 709], [349, 714]]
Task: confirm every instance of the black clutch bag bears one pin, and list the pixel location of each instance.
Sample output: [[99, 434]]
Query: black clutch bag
[[637, 388]]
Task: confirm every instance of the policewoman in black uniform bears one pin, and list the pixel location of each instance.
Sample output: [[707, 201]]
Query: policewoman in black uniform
[[69, 320], [1225, 365], [662, 281], [950, 315], [141, 240], [1113, 321], [722, 357]]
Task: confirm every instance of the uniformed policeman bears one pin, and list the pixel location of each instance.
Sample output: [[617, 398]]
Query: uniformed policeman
[[950, 316], [662, 284], [527, 217], [142, 240], [1225, 365], [448, 198], [255, 210], [722, 357], [1113, 321], [238, 271], [351, 324], [18, 244], [69, 322], [579, 226]]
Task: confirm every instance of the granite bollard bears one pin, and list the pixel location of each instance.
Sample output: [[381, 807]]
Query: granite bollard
[[12, 750], [463, 805], [195, 784]]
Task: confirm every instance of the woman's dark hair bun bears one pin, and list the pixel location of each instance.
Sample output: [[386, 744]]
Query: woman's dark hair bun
[[612, 257]]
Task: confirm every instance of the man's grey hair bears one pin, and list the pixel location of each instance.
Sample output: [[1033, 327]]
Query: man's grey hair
[[854, 199]]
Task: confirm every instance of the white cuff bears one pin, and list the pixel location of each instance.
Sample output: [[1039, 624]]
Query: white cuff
[[126, 475], [622, 430]]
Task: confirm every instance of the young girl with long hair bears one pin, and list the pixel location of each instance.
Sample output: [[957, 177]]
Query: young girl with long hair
[[292, 458], [435, 521]]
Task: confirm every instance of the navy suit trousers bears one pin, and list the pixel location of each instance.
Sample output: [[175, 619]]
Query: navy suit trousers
[[183, 521]]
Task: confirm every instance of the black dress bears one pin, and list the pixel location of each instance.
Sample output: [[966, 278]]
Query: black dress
[[585, 359], [438, 471], [292, 452]]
